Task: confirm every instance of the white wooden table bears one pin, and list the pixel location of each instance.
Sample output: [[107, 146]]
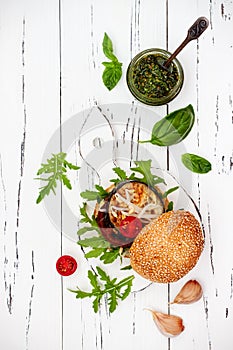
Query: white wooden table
[[50, 71]]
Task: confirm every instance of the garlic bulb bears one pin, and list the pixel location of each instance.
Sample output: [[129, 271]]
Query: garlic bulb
[[189, 293], [169, 325]]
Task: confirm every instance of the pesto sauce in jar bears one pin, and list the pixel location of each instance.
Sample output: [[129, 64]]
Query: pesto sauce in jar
[[151, 79]]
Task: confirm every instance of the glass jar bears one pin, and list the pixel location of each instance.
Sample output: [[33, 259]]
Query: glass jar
[[150, 82]]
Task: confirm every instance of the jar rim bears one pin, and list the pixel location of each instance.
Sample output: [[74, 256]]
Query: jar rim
[[142, 97]]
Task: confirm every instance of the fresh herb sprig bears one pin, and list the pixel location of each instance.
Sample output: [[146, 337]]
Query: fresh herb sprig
[[93, 226], [113, 69], [55, 169], [98, 195], [143, 167], [113, 289], [99, 246]]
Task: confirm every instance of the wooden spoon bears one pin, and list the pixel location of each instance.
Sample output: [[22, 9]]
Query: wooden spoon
[[198, 27]]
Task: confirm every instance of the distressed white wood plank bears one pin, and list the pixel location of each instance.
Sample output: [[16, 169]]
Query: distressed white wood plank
[[29, 103], [82, 87], [208, 323], [29, 69]]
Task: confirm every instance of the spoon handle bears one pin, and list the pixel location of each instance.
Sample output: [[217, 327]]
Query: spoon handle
[[198, 27]]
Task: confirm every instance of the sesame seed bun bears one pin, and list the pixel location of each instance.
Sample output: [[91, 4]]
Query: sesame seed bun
[[167, 248]]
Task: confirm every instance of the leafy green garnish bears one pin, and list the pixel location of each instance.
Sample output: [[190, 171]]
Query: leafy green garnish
[[100, 247], [122, 176], [170, 206], [144, 168], [113, 289], [128, 267], [173, 189], [173, 128], [108, 48], [101, 193], [113, 69], [88, 220], [94, 253], [196, 163], [56, 169], [107, 255], [110, 255], [94, 242]]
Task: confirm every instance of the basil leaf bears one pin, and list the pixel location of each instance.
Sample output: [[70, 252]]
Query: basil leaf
[[111, 74], [107, 48], [173, 128], [113, 69], [196, 163]]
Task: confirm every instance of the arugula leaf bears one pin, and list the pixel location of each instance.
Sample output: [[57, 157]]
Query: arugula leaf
[[109, 256], [170, 206], [70, 165], [103, 275], [173, 128], [95, 253], [173, 189], [101, 193], [128, 267], [89, 195], [98, 243], [122, 176], [56, 170], [85, 217], [100, 247], [93, 280], [82, 295], [85, 229], [196, 163], [113, 69], [103, 285], [94, 242], [144, 168]]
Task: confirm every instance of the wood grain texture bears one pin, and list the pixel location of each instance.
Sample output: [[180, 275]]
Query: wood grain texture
[[51, 70]]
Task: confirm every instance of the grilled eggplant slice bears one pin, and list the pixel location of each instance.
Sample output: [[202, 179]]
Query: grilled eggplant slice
[[128, 198]]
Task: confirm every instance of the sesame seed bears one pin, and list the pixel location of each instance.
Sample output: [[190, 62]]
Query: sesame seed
[[168, 247]]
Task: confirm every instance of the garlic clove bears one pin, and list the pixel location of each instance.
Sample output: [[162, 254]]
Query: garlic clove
[[189, 293], [169, 325]]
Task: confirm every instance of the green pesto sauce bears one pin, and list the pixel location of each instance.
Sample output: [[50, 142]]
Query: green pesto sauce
[[151, 79]]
